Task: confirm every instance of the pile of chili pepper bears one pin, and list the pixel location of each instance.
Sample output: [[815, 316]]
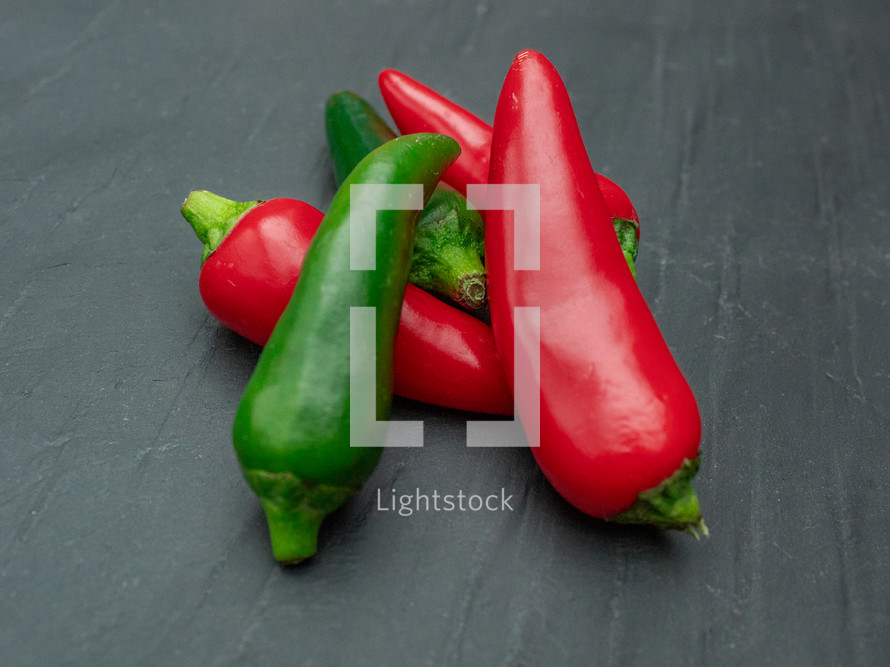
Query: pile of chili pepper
[[616, 424]]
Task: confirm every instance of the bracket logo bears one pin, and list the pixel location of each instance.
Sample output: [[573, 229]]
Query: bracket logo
[[365, 430]]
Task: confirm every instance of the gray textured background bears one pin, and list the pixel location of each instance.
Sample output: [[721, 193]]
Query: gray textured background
[[753, 138]]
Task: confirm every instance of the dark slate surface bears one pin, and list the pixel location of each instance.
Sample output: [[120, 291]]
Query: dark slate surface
[[754, 141]]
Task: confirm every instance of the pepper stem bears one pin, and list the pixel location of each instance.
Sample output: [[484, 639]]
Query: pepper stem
[[213, 217], [449, 269], [448, 250], [672, 504], [457, 273], [294, 510], [627, 231], [294, 535], [472, 291]]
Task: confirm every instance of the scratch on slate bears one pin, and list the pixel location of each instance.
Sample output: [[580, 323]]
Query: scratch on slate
[[16, 305], [50, 78], [255, 617], [455, 644], [853, 348], [202, 363], [616, 625], [766, 58], [98, 189], [807, 37], [855, 147], [826, 217], [878, 409], [693, 125], [41, 502], [845, 307], [525, 527], [215, 574], [876, 87], [658, 84], [775, 544], [724, 314], [180, 624], [851, 620], [680, 196], [23, 199], [219, 77], [261, 122], [759, 615], [484, 552], [477, 23], [730, 41], [47, 486], [84, 38]]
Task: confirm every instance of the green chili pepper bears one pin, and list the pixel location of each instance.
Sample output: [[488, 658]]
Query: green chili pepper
[[450, 243], [292, 427]]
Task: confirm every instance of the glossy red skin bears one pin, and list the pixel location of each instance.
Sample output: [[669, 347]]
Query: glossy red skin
[[617, 416], [415, 107], [248, 280], [443, 356]]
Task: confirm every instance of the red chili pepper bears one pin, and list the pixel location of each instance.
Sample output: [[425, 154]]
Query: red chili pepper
[[252, 258], [415, 107], [619, 425]]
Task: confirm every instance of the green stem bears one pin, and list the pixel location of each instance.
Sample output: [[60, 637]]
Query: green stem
[[456, 272], [672, 504], [472, 291], [294, 534], [213, 217], [630, 242], [294, 510], [448, 249]]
